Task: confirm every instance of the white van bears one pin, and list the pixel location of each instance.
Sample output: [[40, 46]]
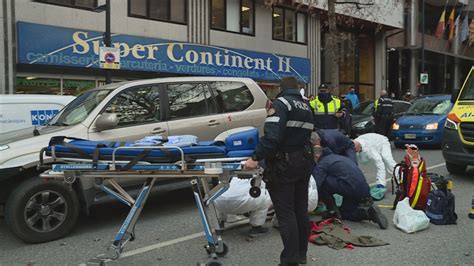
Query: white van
[[18, 111]]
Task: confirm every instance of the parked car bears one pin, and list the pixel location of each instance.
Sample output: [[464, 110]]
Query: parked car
[[423, 123], [202, 106], [362, 121], [19, 111]]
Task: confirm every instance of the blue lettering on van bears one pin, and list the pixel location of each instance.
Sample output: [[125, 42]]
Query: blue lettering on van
[[41, 117]]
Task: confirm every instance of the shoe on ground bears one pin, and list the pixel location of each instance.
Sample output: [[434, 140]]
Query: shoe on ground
[[331, 215], [376, 216], [380, 186], [258, 231]]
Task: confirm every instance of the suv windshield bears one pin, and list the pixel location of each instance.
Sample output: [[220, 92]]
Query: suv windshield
[[78, 110], [468, 91], [429, 107], [364, 108]]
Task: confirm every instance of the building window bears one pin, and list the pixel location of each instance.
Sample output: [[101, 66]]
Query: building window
[[83, 4], [233, 15], [162, 10], [289, 25]]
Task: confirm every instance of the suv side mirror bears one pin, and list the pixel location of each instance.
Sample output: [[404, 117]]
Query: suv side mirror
[[106, 121], [454, 95]]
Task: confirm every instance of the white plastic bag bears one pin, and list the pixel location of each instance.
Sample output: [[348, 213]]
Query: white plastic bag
[[409, 220]]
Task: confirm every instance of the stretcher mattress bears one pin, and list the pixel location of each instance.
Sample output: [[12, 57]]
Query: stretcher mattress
[[241, 144]]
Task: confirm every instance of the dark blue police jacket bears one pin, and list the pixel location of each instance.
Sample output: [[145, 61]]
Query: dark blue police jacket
[[338, 143], [337, 174]]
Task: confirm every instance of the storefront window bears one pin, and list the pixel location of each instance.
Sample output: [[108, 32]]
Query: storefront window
[[162, 10], [354, 71], [76, 87], [33, 85], [28, 85], [289, 25], [233, 15]]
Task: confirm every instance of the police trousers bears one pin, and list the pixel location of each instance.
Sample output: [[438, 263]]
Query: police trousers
[[354, 193], [289, 193]]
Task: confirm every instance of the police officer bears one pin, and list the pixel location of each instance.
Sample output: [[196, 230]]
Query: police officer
[[287, 152], [336, 141], [328, 109], [337, 174], [383, 114]]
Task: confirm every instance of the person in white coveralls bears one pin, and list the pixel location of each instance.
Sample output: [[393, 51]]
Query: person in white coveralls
[[375, 148]]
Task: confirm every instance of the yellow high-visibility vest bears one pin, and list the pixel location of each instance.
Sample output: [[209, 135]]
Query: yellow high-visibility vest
[[333, 106]]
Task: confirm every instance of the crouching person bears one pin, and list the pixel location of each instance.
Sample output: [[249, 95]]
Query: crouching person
[[337, 174], [237, 201]]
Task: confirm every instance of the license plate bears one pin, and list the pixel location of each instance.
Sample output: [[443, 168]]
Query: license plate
[[410, 136]]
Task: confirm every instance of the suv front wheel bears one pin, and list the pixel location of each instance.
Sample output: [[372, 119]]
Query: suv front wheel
[[41, 210]]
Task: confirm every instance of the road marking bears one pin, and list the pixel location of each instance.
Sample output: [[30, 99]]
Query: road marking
[[174, 241], [427, 168], [385, 206], [435, 166], [161, 245]]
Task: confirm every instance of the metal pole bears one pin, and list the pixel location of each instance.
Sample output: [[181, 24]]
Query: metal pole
[[107, 39], [422, 86]]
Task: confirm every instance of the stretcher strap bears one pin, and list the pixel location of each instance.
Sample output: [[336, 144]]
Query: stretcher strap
[[76, 149], [137, 158], [96, 155]]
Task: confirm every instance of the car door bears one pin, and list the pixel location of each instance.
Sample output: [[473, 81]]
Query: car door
[[192, 110], [139, 112], [235, 101]]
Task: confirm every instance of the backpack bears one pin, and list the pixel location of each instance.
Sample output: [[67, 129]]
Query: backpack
[[411, 182], [441, 203]]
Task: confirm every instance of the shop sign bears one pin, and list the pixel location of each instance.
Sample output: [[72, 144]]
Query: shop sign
[[423, 78], [48, 45], [38, 82], [40, 117], [109, 58]]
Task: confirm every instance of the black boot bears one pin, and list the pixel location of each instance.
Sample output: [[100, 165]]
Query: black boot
[[376, 216], [333, 211], [367, 210]]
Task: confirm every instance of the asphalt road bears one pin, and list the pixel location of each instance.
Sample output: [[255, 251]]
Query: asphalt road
[[169, 232]]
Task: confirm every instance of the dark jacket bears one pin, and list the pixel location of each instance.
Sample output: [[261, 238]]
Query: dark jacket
[[337, 174], [383, 107], [338, 143], [288, 126]]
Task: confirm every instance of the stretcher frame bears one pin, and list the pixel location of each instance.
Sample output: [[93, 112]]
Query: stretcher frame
[[201, 172]]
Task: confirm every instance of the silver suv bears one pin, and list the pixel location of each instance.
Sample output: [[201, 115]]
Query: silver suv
[[202, 106]]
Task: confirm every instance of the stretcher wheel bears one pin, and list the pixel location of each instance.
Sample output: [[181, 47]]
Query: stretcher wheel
[[252, 182], [225, 250], [255, 192]]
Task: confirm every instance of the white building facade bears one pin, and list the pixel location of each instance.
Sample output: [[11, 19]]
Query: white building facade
[[52, 46]]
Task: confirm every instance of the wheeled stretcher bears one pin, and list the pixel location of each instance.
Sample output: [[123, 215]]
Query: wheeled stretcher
[[105, 161]]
